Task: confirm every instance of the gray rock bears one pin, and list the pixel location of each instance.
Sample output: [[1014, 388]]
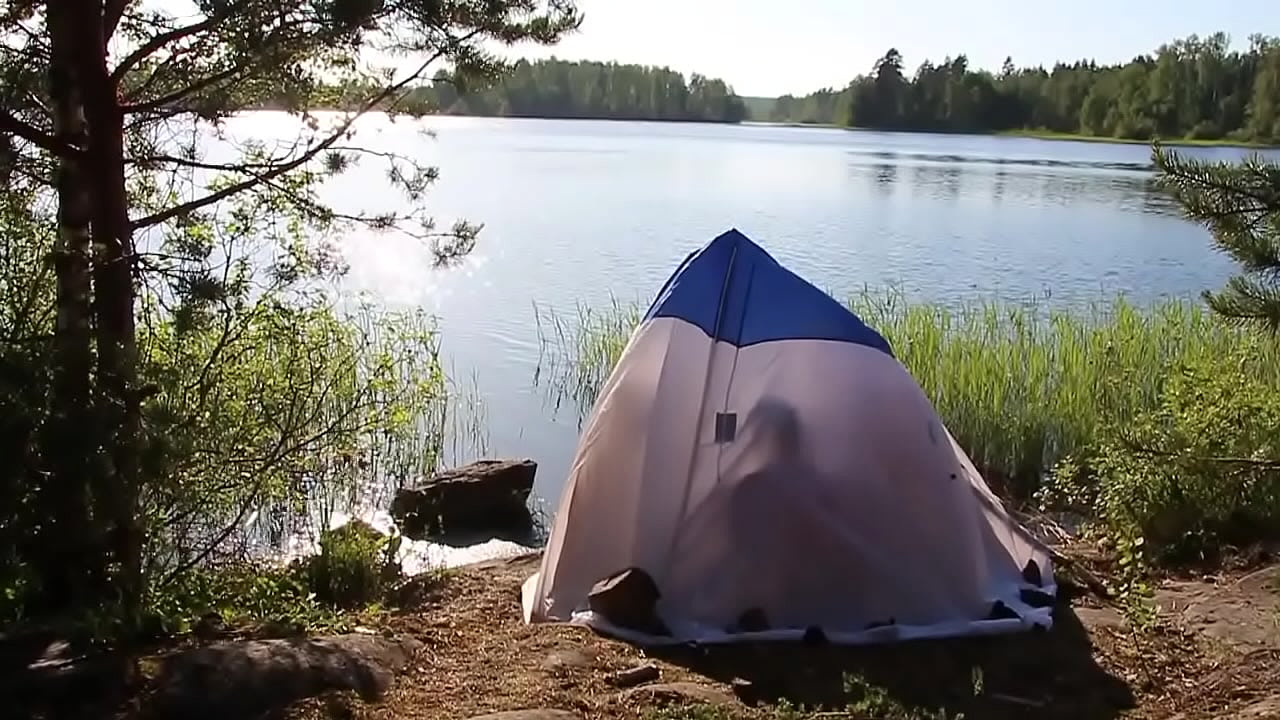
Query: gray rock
[[248, 678], [678, 692], [635, 676], [540, 714], [45, 674], [561, 659], [1241, 614], [487, 496], [1267, 709]]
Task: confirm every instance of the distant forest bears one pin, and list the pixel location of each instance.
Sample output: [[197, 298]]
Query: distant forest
[[560, 89], [1193, 89]]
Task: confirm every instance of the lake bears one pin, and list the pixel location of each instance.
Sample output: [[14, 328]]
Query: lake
[[581, 212]]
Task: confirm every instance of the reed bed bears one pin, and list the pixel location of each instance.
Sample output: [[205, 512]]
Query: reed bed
[[1020, 385]]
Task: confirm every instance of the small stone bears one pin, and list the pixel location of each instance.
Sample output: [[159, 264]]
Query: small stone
[[561, 659], [536, 714], [746, 691], [1267, 709], [634, 676], [209, 626], [678, 692], [628, 599]]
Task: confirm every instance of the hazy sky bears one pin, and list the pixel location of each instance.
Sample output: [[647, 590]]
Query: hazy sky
[[768, 48], [764, 47]]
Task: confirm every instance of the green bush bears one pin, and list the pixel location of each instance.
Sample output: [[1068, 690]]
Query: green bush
[[354, 570], [1198, 470], [267, 407], [355, 567], [238, 594]]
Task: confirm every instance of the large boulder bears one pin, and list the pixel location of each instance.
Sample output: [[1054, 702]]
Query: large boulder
[[250, 678], [487, 496]]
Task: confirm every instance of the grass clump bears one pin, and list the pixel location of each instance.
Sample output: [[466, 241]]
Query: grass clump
[[1155, 423], [1024, 386], [355, 566], [347, 581]]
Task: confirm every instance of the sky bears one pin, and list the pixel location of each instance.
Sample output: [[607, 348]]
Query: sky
[[764, 47]]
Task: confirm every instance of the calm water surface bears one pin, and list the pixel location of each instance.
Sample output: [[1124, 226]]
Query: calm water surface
[[580, 212]]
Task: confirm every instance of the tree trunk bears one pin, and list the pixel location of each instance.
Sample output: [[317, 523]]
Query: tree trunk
[[113, 305], [68, 443]]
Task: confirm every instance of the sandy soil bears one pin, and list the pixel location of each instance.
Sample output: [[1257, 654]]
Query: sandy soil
[[1215, 654]]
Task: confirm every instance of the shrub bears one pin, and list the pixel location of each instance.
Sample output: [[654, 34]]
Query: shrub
[[1198, 470], [355, 567]]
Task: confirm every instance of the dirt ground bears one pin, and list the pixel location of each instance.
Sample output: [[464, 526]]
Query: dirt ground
[[1215, 654]]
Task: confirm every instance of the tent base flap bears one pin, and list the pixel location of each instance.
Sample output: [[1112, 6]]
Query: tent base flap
[[1029, 618], [885, 634]]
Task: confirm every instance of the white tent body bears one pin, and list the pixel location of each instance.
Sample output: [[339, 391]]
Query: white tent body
[[758, 446]]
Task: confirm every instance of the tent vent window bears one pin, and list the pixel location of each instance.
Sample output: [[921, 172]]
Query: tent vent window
[[726, 427]]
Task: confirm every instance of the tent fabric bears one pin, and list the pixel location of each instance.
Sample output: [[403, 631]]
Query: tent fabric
[[758, 446], [737, 293]]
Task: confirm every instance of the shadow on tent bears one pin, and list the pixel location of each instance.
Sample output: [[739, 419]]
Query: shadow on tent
[[1042, 674]]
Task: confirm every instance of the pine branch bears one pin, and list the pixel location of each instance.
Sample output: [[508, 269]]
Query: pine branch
[[174, 97], [35, 136], [341, 132], [159, 41], [1256, 463], [1240, 205], [1244, 299]]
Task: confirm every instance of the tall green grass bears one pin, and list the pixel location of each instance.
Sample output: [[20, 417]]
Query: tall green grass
[[1020, 385]]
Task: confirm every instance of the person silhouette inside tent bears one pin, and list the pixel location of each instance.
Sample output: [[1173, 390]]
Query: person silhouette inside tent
[[745, 558]]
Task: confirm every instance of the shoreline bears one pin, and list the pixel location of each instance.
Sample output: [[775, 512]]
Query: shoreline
[[1032, 134], [1049, 135], [1176, 142]]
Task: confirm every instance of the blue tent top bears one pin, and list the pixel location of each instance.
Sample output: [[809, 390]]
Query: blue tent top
[[738, 293]]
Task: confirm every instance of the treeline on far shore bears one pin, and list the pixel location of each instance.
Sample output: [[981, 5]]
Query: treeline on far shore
[[1190, 89], [562, 89]]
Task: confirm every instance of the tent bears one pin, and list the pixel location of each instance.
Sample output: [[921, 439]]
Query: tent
[[758, 448]]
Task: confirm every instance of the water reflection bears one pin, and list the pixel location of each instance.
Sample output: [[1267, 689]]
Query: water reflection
[[1025, 182], [998, 160], [886, 176]]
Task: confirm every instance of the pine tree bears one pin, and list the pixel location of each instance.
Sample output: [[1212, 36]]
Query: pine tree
[[1240, 205]]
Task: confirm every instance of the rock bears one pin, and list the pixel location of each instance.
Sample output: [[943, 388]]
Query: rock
[[1268, 709], [540, 714], [42, 673], [209, 626], [746, 691], [249, 678], [1241, 614], [488, 496], [1101, 617], [634, 676], [561, 659], [679, 692], [628, 599]]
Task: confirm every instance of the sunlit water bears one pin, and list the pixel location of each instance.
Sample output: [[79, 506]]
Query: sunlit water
[[580, 212]]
